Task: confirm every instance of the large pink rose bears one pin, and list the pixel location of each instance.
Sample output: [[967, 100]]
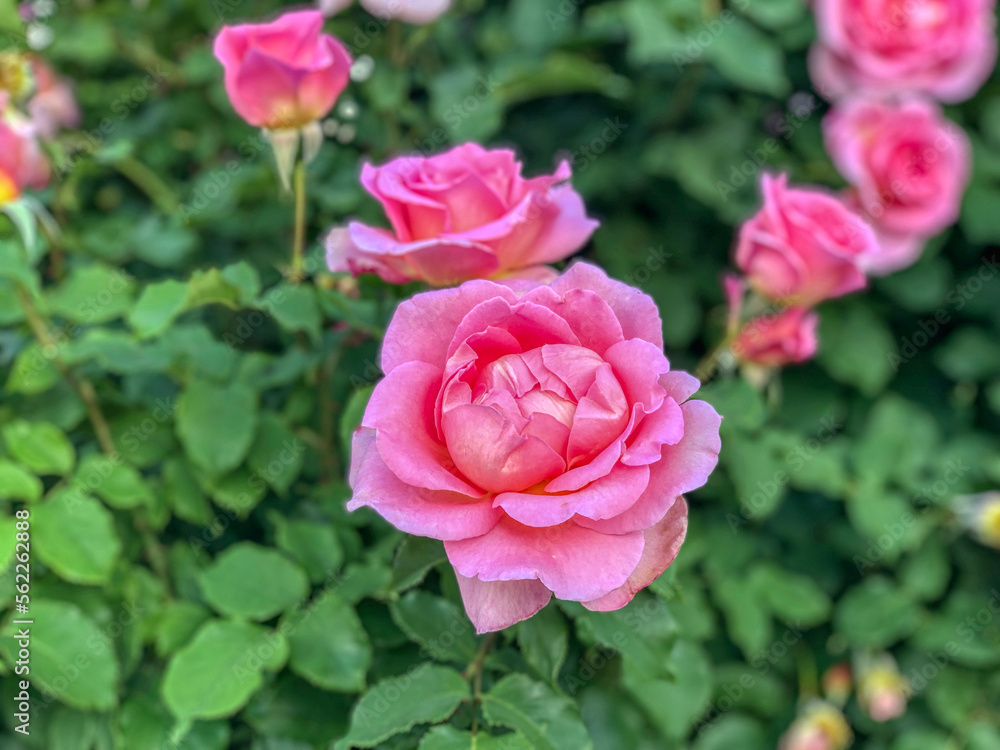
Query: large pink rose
[[784, 338], [464, 214], [284, 74], [804, 245], [539, 431], [23, 164], [907, 164], [945, 48]]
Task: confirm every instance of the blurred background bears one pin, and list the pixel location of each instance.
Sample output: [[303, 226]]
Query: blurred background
[[830, 534]]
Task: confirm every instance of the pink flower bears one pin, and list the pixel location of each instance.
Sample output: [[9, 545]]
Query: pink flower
[[284, 74], [908, 166], [53, 106], [22, 162], [461, 215], [412, 11], [539, 431], [804, 245], [945, 48], [776, 340]]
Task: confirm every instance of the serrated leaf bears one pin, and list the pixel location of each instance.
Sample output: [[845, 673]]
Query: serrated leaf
[[251, 581], [329, 647], [440, 627], [216, 424], [40, 446], [547, 720], [75, 535]]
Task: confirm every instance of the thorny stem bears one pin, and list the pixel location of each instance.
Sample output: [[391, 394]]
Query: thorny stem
[[475, 672], [83, 387]]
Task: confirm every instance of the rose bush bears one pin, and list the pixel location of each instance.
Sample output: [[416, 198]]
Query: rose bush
[[467, 213], [539, 431]]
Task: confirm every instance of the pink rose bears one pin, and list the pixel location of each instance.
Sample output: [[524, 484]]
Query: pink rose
[[284, 74], [945, 48], [785, 338], [804, 245], [460, 215], [539, 431], [412, 11], [908, 166], [53, 105], [22, 162]]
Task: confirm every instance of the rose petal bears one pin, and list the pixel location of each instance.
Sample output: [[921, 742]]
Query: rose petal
[[495, 605]]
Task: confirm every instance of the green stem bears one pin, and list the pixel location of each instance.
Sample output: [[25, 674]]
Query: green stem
[[83, 387], [299, 179], [475, 672], [148, 182]]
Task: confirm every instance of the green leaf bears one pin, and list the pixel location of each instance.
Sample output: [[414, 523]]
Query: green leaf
[[40, 446], [215, 674], [63, 642], [926, 574], [75, 536], [544, 642], [857, 347], [17, 483], [875, 614], [415, 556], [248, 580], [184, 496], [687, 696], [794, 598], [216, 424], [448, 738], [177, 623], [748, 622], [32, 371], [93, 294], [547, 720], [315, 545], [440, 627], [329, 647], [750, 59], [277, 454], [295, 308], [157, 307], [426, 695], [732, 731], [115, 482], [291, 707]]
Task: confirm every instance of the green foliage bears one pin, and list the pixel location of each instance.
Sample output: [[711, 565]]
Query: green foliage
[[196, 582]]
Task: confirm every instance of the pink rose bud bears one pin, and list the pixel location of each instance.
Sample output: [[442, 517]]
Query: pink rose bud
[[908, 165], [411, 11], [53, 105], [882, 690], [540, 432], [22, 162], [804, 245], [284, 74], [776, 340], [944, 48], [837, 683], [820, 726], [461, 215]]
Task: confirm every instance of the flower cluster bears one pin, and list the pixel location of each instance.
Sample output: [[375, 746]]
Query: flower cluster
[[529, 420], [883, 64]]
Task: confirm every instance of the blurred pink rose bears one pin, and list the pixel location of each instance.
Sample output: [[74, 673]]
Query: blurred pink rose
[[412, 11], [23, 164], [804, 245], [284, 74], [945, 48], [461, 215], [785, 338], [53, 105], [539, 431], [908, 166]]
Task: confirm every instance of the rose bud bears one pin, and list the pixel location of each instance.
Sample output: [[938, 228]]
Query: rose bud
[[460, 215], [778, 339], [908, 166], [53, 105], [882, 690], [804, 245], [944, 49], [820, 726], [837, 683], [540, 432], [284, 76]]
